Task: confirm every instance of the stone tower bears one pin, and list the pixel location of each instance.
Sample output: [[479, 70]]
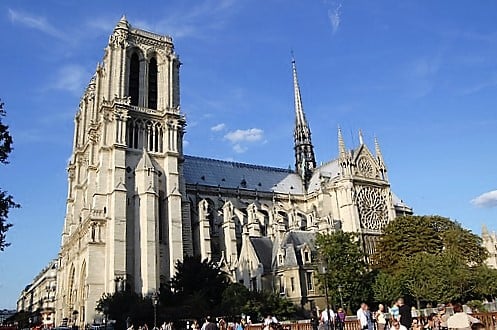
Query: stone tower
[[123, 227]]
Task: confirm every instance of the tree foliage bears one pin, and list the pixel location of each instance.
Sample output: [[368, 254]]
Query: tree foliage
[[6, 200], [387, 288], [431, 259], [120, 306], [198, 289], [346, 267], [408, 235]]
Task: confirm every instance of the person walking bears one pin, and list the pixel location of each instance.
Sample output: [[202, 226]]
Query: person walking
[[327, 318], [405, 316], [460, 320], [381, 321], [365, 318]]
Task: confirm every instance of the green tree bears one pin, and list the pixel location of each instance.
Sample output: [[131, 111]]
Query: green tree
[[6, 200], [119, 306], [198, 285], [486, 282], [346, 267], [387, 288], [421, 276], [409, 235]]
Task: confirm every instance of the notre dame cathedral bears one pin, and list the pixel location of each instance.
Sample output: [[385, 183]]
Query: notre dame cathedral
[[136, 203]]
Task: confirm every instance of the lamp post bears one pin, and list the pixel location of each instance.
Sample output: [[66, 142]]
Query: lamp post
[[341, 298], [323, 271], [155, 301]]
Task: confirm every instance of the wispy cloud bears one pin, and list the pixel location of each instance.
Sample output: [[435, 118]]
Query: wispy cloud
[[245, 135], [239, 149], [218, 127], [194, 21], [240, 138], [335, 17], [334, 14], [35, 22], [71, 78], [101, 24], [486, 200]]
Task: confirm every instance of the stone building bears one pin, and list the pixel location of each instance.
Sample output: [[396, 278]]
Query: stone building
[[38, 297], [136, 204], [490, 242]]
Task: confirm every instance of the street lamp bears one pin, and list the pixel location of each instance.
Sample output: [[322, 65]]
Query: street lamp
[[323, 270], [341, 298], [155, 301]]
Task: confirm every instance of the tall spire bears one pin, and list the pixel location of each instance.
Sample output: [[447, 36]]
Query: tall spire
[[361, 139], [342, 151], [305, 161], [379, 156]]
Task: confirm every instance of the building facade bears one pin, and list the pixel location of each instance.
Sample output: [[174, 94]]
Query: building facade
[[38, 298], [136, 204]]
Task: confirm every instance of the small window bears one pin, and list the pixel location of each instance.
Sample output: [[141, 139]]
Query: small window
[[280, 259], [134, 79], [310, 284], [152, 84], [282, 284], [292, 283], [307, 256]]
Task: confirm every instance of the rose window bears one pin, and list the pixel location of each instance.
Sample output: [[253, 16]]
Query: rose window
[[373, 211]]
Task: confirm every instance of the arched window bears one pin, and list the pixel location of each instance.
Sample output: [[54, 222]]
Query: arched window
[[152, 83], [134, 79]]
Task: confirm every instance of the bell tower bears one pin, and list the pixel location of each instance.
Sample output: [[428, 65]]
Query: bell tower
[[124, 228]]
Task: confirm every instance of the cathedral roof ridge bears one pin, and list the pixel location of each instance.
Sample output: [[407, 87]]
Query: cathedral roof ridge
[[240, 164]]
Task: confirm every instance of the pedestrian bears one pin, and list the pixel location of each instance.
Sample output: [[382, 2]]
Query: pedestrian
[[397, 326], [442, 316], [460, 320], [327, 318], [381, 321], [340, 319], [365, 318], [405, 316]]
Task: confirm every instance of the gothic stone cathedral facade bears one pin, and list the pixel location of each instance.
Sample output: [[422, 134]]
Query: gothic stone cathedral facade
[[136, 204]]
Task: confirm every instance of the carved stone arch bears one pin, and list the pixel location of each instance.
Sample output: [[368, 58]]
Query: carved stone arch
[[135, 50], [70, 285], [283, 218], [302, 220], [82, 282]]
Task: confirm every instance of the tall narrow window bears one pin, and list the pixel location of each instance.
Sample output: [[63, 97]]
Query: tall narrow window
[[152, 83], [134, 79]]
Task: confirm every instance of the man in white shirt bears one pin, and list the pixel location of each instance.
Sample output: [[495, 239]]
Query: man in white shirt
[[361, 316], [328, 322], [460, 320]]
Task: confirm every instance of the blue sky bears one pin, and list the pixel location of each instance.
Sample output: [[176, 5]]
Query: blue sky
[[420, 75]]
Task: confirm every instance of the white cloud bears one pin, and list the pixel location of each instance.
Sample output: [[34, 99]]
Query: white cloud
[[186, 143], [35, 22], [239, 149], [334, 15], [240, 137], [102, 24], [247, 135], [72, 78], [488, 199], [218, 127]]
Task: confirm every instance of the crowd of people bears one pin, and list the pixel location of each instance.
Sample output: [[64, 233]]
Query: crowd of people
[[398, 317], [401, 317]]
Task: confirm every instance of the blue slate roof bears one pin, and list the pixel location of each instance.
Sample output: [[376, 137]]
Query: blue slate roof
[[213, 172], [263, 247]]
